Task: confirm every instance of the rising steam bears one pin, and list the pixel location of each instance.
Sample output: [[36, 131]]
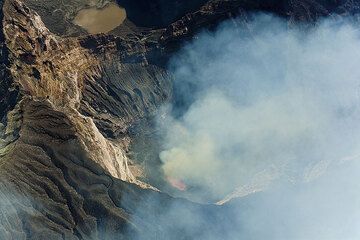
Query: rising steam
[[270, 97], [272, 110]]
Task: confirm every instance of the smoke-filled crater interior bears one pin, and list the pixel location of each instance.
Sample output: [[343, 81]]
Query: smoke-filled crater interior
[[179, 120]]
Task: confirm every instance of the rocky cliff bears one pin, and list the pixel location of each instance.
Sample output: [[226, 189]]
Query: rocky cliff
[[57, 168]]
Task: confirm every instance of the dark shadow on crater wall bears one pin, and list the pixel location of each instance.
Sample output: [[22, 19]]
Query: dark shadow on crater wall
[[158, 13]]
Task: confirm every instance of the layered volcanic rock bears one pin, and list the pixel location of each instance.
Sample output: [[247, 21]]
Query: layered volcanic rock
[[68, 100], [240, 11], [52, 71], [58, 172]]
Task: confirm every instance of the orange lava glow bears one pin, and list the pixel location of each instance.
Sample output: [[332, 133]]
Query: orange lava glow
[[176, 183]]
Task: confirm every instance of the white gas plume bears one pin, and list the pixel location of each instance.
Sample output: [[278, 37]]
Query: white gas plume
[[270, 97]]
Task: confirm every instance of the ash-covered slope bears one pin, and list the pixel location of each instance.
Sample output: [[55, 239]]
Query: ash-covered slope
[[67, 103], [60, 177]]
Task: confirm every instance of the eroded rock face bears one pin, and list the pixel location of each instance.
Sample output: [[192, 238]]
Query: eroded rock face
[[240, 11], [53, 157], [53, 70]]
